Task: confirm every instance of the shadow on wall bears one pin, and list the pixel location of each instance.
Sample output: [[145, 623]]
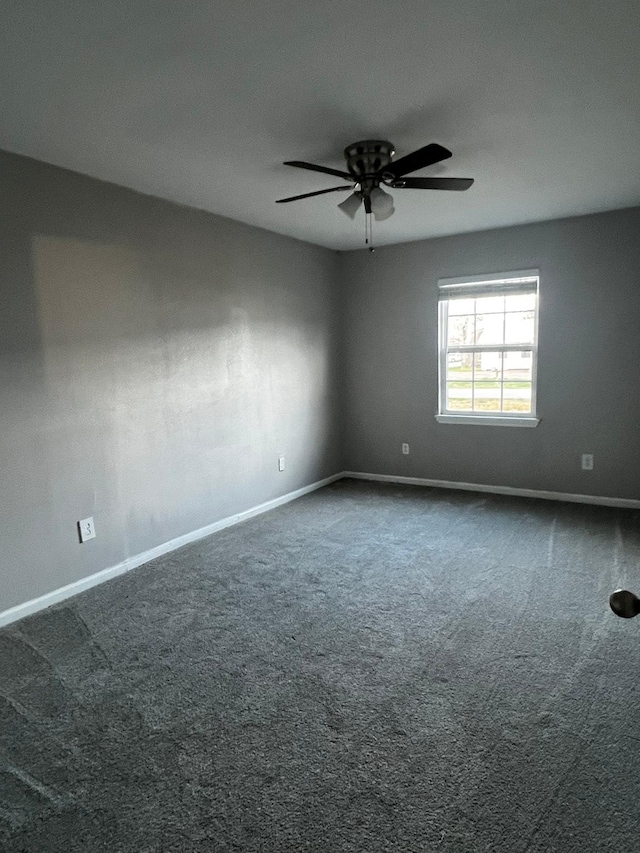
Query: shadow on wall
[[26, 473]]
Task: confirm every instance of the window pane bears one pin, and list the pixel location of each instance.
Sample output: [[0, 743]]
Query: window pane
[[516, 397], [461, 306], [519, 327], [526, 302], [460, 329], [486, 397], [456, 369], [466, 366], [518, 365], [489, 366], [489, 328], [459, 396], [490, 305]]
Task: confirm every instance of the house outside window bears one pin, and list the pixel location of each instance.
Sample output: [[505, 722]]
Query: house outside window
[[488, 348]]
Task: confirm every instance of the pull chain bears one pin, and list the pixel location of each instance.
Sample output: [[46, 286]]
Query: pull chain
[[368, 231], [368, 224]]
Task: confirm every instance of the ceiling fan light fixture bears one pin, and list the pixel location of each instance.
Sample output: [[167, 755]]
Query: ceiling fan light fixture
[[351, 205], [370, 163], [381, 204]]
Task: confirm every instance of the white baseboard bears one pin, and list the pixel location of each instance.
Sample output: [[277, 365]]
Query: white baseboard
[[625, 503], [57, 595], [13, 614]]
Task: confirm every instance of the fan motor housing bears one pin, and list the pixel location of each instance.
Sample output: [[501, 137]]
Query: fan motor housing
[[366, 158]]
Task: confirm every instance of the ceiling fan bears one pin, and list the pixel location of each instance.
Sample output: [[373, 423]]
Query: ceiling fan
[[370, 165]]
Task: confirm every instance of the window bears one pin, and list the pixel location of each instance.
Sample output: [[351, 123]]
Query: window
[[488, 345]]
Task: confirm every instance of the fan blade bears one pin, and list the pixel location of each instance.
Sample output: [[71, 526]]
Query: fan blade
[[326, 171], [426, 156], [433, 183], [308, 195]]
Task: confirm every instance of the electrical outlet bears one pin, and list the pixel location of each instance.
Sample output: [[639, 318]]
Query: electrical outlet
[[587, 461], [405, 448], [86, 529], [281, 462]]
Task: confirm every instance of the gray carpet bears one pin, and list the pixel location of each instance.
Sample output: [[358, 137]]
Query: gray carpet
[[370, 668]]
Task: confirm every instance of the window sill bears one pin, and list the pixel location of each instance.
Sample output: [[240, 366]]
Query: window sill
[[481, 420]]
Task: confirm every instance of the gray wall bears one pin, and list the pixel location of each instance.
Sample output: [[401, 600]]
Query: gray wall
[[154, 361], [589, 354]]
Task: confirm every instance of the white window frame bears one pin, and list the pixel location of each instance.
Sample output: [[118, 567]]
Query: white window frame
[[483, 285]]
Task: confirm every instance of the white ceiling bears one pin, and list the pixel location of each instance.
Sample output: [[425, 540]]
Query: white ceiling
[[200, 101]]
